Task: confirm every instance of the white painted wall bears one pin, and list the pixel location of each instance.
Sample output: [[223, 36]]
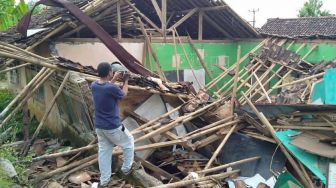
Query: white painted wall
[[92, 53]]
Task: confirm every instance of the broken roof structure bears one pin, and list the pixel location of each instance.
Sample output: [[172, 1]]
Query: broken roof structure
[[307, 27], [177, 128]]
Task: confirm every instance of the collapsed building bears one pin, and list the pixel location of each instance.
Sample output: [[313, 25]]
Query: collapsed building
[[211, 62]]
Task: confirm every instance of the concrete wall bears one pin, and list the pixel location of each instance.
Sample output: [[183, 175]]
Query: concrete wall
[[91, 53], [225, 54]]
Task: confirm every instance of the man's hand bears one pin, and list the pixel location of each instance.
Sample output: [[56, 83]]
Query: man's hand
[[116, 76], [126, 76]]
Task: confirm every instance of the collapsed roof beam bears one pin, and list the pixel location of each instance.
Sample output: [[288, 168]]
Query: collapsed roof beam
[[204, 9], [164, 18], [184, 18], [144, 17], [157, 9]]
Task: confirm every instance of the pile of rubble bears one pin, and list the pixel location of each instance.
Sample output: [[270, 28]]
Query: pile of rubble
[[245, 135]]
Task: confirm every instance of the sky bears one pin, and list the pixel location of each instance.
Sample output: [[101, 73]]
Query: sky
[[272, 8]]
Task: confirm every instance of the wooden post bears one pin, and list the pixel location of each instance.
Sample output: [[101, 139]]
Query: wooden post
[[235, 81], [184, 183], [46, 114], [119, 21], [264, 120], [219, 148], [200, 58], [164, 18], [222, 167], [200, 25], [156, 169], [183, 19], [25, 122], [177, 63], [143, 16], [188, 60], [151, 50], [157, 9]]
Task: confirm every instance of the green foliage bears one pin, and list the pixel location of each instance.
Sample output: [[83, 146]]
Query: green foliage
[[11, 13], [312, 8], [15, 124]]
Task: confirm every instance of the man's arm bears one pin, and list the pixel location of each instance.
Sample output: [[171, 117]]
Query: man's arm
[[115, 77], [125, 87]]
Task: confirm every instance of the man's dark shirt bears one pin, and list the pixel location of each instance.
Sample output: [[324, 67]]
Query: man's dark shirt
[[105, 99]]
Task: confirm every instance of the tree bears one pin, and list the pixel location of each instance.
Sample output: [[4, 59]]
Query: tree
[[312, 8], [11, 13]]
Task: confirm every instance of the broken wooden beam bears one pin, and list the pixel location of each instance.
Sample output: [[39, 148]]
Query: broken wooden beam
[[184, 183], [222, 167], [305, 181], [219, 148], [156, 169], [46, 114]]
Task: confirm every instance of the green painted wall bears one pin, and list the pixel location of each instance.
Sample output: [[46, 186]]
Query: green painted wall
[[165, 51]]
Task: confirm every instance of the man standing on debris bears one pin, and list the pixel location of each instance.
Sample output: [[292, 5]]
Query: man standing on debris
[[109, 129]]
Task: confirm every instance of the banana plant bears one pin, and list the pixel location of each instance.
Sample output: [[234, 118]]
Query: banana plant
[[11, 12]]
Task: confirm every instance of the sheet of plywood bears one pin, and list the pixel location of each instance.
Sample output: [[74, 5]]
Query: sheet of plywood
[[310, 143]]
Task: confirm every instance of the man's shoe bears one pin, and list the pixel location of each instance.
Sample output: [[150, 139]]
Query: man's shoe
[[112, 183]]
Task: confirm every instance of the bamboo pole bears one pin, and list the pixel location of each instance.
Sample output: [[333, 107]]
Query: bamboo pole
[[180, 119], [156, 119], [235, 82], [221, 76], [94, 158], [288, 73], [184, 183], [304, 128], [46, 114], [14, 68], [267, 81], [24, 100], [262, 88], [222, 167], [299, 81], [137, 88], [177, 64], [65, 168], [201, 60], [151, 50], [187, 58], [209, 126], [254, 68], [22, 93], [254, 87], [213, 129], [219, 148], [264, 120]]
